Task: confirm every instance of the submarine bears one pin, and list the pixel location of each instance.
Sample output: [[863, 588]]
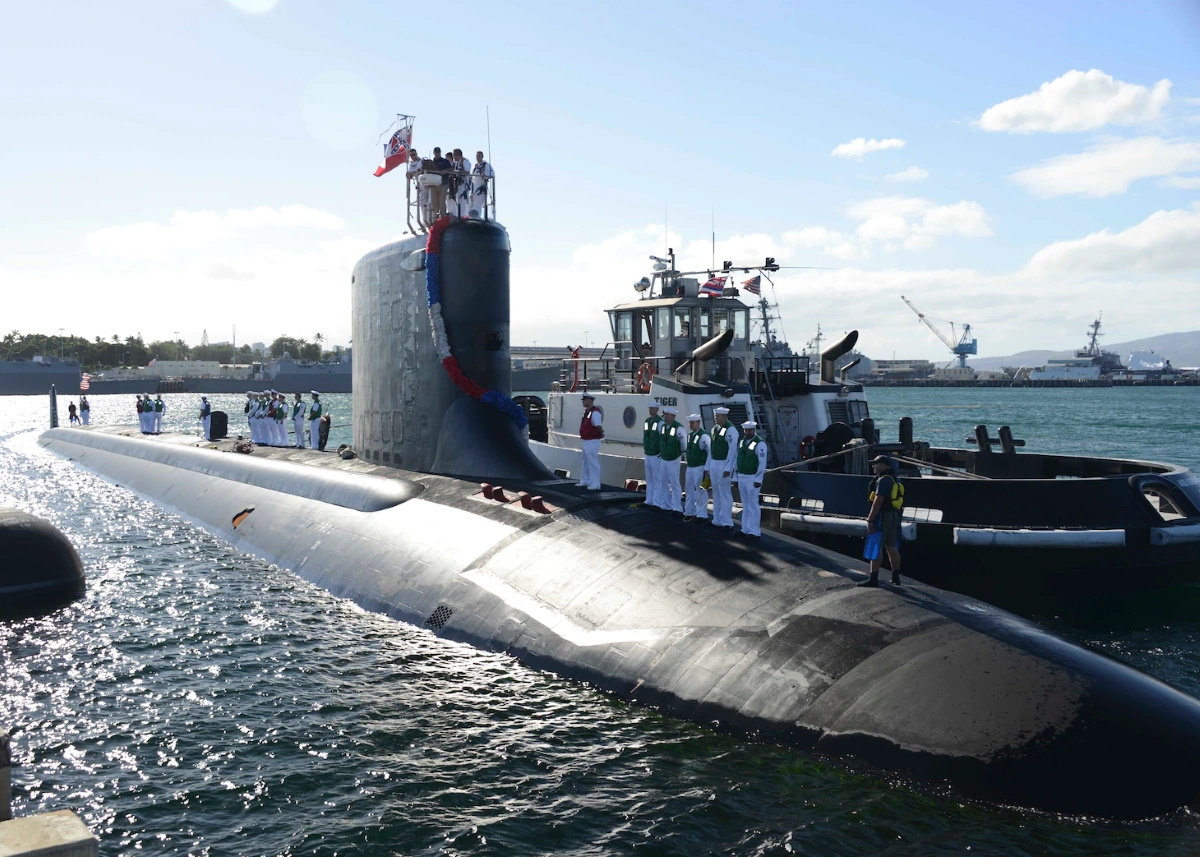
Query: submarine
[[446, 520]]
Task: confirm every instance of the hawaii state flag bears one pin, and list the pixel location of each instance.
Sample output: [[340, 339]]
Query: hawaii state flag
[[713, 288], [753, 285], [85, 382], [395, 152]]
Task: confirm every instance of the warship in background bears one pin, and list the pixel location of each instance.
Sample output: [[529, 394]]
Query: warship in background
[[1090, 363], [32, 377]]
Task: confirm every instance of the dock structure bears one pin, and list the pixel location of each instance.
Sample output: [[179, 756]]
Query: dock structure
[[50, 834]]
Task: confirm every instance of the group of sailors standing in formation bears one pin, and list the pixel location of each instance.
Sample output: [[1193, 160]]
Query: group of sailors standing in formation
[[267, 413], [712, 459], [150, 413], [455, 186]]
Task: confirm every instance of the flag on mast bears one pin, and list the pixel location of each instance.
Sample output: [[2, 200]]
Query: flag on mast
[[713, 288], [395, 151], [753, 285]]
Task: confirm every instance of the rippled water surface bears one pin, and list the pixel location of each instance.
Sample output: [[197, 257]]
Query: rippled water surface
[[199, 701]]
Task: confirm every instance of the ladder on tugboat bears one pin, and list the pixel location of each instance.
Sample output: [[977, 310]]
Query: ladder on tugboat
[[765, 424]]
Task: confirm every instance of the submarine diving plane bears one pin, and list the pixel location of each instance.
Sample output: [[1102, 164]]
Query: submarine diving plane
[[448, 521]]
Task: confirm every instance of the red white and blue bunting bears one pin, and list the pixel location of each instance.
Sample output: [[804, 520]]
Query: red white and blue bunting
[[441, 342]]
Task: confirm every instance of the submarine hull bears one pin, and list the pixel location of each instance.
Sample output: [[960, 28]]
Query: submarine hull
[[769, 638], [772, 639]]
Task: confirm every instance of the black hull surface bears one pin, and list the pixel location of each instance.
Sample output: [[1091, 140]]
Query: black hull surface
[[769, 638]]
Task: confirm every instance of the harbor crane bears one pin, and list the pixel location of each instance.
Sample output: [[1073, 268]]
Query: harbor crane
[[960, 349]]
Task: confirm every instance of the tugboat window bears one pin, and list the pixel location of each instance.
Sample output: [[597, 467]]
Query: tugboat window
[[720, 321], [704, 326], [628, 417], [683, 326], [662, 321], [624, 327]]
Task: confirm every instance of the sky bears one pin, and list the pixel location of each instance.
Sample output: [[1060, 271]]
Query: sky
[[1020, 166]]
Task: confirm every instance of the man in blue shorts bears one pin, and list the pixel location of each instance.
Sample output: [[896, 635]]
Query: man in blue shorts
[[886, 496]]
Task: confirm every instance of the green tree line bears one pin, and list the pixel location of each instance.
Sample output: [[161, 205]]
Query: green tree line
[[99, 353]]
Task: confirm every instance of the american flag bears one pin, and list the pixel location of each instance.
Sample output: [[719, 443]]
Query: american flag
[[713, 288], [753, 285], [396, 151], [85, 382]]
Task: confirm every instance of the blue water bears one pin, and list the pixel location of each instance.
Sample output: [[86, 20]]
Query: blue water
[[199, 701]]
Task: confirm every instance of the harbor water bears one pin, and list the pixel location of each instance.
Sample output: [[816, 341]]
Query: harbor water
[[199, 701]]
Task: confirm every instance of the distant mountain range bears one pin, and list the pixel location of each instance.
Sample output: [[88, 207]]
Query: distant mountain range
[[1182, 349]]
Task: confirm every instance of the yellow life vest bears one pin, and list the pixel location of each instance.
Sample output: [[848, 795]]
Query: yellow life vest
[[897, 492]]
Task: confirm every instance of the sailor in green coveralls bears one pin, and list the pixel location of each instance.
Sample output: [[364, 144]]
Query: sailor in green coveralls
[[669, 454], [751, 465], [696, 456], [651, 446], [314, 421]]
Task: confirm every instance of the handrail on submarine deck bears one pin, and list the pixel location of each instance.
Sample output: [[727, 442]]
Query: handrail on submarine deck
[[488, 213]]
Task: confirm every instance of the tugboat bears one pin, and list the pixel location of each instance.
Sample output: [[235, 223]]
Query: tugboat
[[1025, 531]]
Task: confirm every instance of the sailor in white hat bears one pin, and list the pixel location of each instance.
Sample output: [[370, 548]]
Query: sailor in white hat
[[651, 445], [253, 416], [206, 417], [314, 421], [722, 454], [696, 456], [670, 452], [147, 414], [751, 465], [591, 431], [298, 420]]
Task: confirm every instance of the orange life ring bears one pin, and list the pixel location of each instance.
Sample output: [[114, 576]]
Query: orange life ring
[[645, 374]]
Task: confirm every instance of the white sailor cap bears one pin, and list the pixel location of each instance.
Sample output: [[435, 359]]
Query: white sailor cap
[[588, 396], [720, 410], [653, 405], [749, 424], [670, 409], [692, 417], [314, 392]]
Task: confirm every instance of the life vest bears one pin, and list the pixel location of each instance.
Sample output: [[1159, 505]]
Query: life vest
[[298, 410], [672, 446], [897, 497], [720, 441], [697, 455], [587, 431], [652, 435], [139, 406], [205, 409], [158, 405], [747, 457], [314, 413]]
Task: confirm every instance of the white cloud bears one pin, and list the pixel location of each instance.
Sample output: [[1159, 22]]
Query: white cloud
[[1187, 183], [860, 146], [194, 230], [912, 174], [1078, 101], [894, 222], [1109, 167], [1166, 242]]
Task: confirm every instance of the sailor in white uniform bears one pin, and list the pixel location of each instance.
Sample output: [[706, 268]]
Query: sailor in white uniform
[[298, 420], [751, 465], [160, 408], [206, 417], [696, 456], [85, 410], [671, 451], [651, 446], [314, 421], [591, 431], [481, 174], [723, 453]]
